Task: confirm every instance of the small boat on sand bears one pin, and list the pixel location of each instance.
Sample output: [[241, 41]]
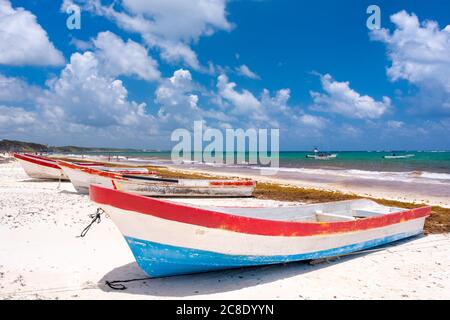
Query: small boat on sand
[[186, 187], [151, 185], [395, 156], [82, 176], [39, 167], [169, 238]]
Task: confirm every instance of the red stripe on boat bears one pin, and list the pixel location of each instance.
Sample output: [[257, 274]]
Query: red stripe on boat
[[136, 173], [233, 183], [90, 164], [88, 170], [39, 157], [211, 219], [36, 161]]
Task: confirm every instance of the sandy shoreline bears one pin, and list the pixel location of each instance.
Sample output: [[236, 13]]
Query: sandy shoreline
[[41, 257]]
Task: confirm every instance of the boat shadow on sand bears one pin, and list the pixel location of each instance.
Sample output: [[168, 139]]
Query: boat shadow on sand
[[221, 281], [72, 192]]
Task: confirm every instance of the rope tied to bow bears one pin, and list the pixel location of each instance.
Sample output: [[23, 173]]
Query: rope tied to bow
[[96, 217]]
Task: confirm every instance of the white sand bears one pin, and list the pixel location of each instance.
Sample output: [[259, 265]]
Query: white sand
[[41, 257]]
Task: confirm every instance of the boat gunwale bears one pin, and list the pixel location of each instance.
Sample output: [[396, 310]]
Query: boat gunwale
[[212, 184], [212, 219], [37, 161], [92, 171]]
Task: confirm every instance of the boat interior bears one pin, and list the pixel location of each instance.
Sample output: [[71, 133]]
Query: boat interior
[[320, 212]]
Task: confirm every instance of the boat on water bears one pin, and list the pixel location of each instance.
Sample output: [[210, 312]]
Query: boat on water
[[82, 176], [321, 155], [396, 156], [169, 238], [186, 187]]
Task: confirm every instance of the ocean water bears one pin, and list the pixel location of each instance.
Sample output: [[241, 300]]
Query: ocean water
[[423, 161]]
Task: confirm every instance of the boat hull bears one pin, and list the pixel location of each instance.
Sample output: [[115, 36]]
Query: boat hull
[[81, 180], [327, 157], [172, 239], [41, 169], [161, 260], [399, 157], [203, 188]]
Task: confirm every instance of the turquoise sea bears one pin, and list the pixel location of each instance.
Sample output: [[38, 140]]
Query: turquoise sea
[[423, 161]]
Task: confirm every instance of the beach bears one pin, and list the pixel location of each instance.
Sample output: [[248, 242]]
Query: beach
[[43, 257]]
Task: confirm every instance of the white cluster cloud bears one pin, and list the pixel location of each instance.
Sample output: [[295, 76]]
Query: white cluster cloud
[[81, 103], [339, 98], [82, 94], [125, 58], [193, 18], [15, 119], [266, 111], [23, 41], [16, 90], [178, 104], [245, 71], [170, 25], [394, 124], [315, 122], [243, 102], [420, 54]]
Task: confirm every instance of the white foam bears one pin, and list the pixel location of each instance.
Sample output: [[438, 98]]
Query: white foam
[[408, 176]]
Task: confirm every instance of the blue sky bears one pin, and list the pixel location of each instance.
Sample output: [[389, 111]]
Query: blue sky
[[137, 70]]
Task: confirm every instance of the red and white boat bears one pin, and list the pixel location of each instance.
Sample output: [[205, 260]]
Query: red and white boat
[[39, 167], [169, 238], [150, 185], [83, 176], [186, 187]]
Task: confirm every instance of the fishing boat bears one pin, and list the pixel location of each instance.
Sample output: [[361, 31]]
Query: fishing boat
[[395, 156], [169, 238], [158, 187], [82, 176], [151, 185], [39, 167], [321, 155]]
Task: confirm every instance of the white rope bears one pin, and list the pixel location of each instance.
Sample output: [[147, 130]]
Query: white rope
[[59, 181]]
